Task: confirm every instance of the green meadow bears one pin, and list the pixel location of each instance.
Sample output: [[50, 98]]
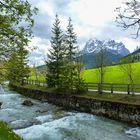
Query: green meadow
[[39, 78], [113, 74]]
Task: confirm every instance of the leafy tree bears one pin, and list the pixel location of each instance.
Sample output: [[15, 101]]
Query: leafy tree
[[71, 45], [129, 16], [15, 24], [101, 61], [78, 80], [127, 68], [18, 69], [3, 70], [55, 63]]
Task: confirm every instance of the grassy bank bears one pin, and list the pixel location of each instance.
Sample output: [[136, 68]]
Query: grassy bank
[[122, 98], [6, 133]]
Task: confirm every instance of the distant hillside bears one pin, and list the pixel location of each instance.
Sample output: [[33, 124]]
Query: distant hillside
[[41, 68], [114, 51], [89, 59], [134, 56]]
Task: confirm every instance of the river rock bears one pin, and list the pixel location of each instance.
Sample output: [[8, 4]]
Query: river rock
[[20, 124], [41, 111], [0, 104], [27, 103]]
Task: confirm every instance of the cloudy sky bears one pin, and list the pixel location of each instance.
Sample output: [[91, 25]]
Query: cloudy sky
[[91, 19]]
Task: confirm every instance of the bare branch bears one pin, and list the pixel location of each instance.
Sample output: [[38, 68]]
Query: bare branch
[[4, 5], [129, 17]]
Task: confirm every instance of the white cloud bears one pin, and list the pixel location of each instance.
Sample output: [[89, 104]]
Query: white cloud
[[91, 19], [94, 12], [39, 54], [39, 43], [45, 7]]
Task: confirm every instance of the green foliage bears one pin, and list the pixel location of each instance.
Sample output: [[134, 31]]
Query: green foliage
[[3, 70], [6, 133], [18, 69], [126, 67], [101, 61], [55, 63], [71, 46], [78, 79], [62, 66], [15, 25], [71, 42]]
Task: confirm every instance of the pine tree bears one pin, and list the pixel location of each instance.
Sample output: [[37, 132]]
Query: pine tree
[[71, 43], [55, 63], [18, 69]]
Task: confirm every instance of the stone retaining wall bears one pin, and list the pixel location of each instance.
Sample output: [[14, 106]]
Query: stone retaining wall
[[115, 110]]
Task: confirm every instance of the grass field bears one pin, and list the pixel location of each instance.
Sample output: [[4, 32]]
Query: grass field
[[39, 78], [113, 74]]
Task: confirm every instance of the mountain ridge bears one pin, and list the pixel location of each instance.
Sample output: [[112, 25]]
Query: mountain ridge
[[93, 45], [114, 51]]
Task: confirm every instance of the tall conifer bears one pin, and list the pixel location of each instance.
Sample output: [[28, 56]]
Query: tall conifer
[[56, 56], [71, 45]]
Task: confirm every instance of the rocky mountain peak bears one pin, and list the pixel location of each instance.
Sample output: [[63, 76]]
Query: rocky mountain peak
[[93, 46]]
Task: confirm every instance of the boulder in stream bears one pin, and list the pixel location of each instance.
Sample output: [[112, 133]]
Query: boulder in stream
[[27, 103], [0, 104]]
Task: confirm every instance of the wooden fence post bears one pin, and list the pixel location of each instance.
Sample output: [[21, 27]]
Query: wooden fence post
[[39, 83], [86, 85], [99, 87], [35, 82], [128, 89], [111, 87]]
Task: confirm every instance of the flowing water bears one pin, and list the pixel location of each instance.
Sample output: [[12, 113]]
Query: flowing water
[[44, 121]]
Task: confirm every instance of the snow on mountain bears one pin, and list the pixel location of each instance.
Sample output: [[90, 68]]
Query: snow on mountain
[[93, 46]]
